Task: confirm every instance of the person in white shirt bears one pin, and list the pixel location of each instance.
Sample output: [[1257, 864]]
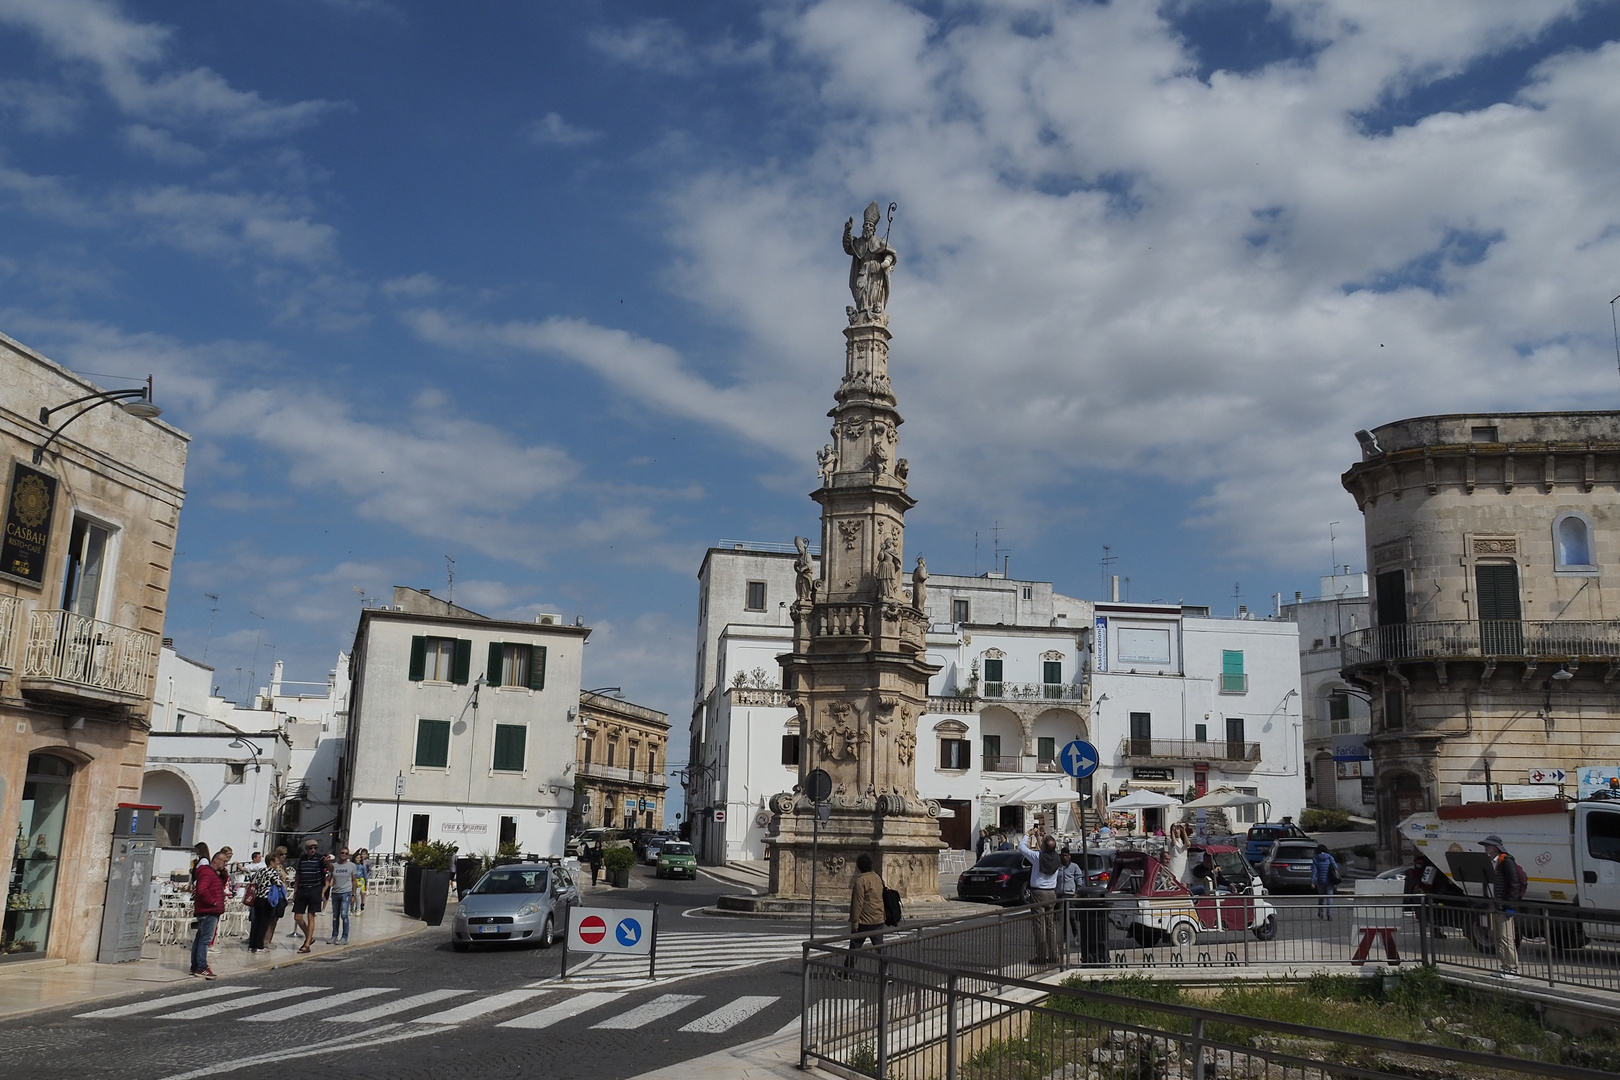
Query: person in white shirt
[[1043, 878]]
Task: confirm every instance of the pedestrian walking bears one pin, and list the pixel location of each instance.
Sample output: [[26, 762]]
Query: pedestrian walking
[[1504, 888], [1069, 880], [340, 879], [208, 904], [309, 891], [266, 900], [1325, 878], [594, 857], [865, 908], [362, 879], [1043, 868], [984, 843]]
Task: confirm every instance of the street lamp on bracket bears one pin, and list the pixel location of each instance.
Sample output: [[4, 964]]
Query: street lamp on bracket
[[136, 402]]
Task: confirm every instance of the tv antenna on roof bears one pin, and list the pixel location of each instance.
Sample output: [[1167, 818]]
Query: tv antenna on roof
[[211, 613], [450, 587]]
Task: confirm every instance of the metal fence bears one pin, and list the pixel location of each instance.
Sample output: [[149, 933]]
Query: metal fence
[[877, 1014], [958, 997]]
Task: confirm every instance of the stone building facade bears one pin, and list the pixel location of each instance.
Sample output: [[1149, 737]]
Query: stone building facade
[[84, 586], [623, 750], [1493, 542]]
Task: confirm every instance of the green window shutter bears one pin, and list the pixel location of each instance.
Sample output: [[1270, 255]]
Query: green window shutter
[[537, 668], [509, 743], [493, 673], [461, 666], [418, 659], [992, 671], [1231, 662], [433, 743]]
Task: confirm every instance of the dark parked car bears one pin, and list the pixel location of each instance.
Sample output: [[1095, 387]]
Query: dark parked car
[[1288, 865], [1262, 836], [1001, 877]]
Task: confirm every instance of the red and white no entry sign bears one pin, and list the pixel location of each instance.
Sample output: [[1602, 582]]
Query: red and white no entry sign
[[624, 931], [592, 929]]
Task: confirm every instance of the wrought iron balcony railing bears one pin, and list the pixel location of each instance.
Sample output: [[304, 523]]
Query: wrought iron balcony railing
[[1003, 763], [1475, 639], [1132, 749], [9, 607], [597, 771], [67, 651]]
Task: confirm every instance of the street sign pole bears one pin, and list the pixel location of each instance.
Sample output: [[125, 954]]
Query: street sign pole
[[567, 933], [1080, 760], [818, 786], [399, 789], [652, 953], [815, 861]]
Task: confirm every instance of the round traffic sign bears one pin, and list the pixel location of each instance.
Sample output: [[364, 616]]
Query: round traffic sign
[[628, 932], [592, 929], [1079, 758], [818, 785]]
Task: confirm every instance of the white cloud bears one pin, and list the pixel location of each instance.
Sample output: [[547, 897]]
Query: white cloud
[[161, 146], [129, 57], [552, 130], [659, 45], [232, 224], [39, 106], [1110, 265]]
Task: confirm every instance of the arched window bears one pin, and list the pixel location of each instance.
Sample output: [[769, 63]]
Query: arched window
[[1572, 543]]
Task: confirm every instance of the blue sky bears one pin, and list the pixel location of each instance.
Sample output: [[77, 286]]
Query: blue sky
[[556, 289]]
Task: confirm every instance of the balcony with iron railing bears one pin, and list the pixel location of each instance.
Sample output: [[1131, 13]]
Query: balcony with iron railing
[[10, 607], [73, 658], [1015, 691], [1479, 638], [592, 770], [1188, 751], [1013, 763]]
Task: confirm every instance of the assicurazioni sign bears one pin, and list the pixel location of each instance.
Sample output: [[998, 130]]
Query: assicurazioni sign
[[30, 501]]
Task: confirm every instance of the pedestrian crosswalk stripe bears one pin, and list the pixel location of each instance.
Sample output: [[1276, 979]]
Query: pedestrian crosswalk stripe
[[563, 1010], [319, 1004], [729, 1016], [377, 1012], [482, 1007], [202, 1012], [642, 1015], [153, 1005]]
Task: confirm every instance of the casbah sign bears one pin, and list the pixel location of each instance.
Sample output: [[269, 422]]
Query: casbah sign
[[30, 503]]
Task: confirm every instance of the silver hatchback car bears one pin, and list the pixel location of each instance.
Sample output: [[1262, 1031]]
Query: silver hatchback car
[[525, 902]]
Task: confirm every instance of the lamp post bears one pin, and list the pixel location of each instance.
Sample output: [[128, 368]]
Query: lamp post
[[136, 402]]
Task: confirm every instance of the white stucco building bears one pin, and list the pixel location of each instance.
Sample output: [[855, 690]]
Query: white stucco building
[[1338, 716], [461, 728], [1175, 701]]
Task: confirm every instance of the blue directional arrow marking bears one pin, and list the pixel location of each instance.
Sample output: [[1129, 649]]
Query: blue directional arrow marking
[[1079, 758], [628, 932]]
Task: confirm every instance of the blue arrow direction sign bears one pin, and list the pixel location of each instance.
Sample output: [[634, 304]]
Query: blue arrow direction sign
[[628, 932], [1079, 758]]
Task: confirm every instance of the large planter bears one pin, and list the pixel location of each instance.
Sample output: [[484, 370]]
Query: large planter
[[435, 895], [412, 896], [469, 868], [621, 879]]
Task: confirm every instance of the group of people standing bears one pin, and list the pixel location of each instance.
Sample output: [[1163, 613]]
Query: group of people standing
[[272, 884]]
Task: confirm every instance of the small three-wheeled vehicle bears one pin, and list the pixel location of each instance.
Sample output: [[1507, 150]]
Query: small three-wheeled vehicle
[[1157, 897]]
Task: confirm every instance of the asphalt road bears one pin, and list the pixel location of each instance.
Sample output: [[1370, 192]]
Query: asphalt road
[[415, 1008]]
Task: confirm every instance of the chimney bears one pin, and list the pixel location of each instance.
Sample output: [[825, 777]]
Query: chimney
[[1116, 589]]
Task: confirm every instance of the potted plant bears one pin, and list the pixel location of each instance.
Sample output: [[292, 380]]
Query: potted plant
[[432, 861], [618, 861]]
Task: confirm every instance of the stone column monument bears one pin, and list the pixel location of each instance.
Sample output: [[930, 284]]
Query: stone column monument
[[858, 674]]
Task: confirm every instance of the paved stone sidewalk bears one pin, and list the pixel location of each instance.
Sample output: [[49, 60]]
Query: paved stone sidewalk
[[36, 985]]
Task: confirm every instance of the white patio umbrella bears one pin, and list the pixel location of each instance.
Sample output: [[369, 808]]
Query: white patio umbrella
[[1223, 797], [1040, 794], [1143, 800]]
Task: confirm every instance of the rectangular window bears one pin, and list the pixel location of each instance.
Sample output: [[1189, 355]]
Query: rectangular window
[[510, 740], [171, 830], [1236, 749], [1029, 592], [756, 596], [436, 659], [790, 750], [1390, 588], [955, 754], [1142, 734], [419, 828], [1246, 814], [959, 611], [1394, 709], [1045, 750], [1201, 733], [1498, 593], [652, 761], [630, 761], [1052, 672], [613, 751], [1141, 645], [1233, 679], [508, 830], [86, 567], [516, 665], [590, 744], [432, 744], [992, 752], [992, 678], [235, 774], [1338, 704]]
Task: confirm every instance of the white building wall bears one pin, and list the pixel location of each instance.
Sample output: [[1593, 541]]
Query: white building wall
[[465, 800]]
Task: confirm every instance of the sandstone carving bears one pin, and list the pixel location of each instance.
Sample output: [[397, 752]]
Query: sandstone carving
[[871, 264], [850, 533], [827, 463], [888, 569], [804, 579]]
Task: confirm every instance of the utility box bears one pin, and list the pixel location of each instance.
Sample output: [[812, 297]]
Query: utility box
[[129, 880]]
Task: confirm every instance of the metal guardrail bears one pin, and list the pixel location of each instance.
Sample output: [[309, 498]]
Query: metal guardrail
[[1477, 639], [73, 649], [940, 1000], [1189, 750], [1017, 691]]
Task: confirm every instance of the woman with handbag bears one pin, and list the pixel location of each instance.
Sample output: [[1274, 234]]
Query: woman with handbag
[[266, 899]]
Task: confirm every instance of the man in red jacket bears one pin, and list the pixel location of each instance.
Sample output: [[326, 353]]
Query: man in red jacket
[[208, 896]]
